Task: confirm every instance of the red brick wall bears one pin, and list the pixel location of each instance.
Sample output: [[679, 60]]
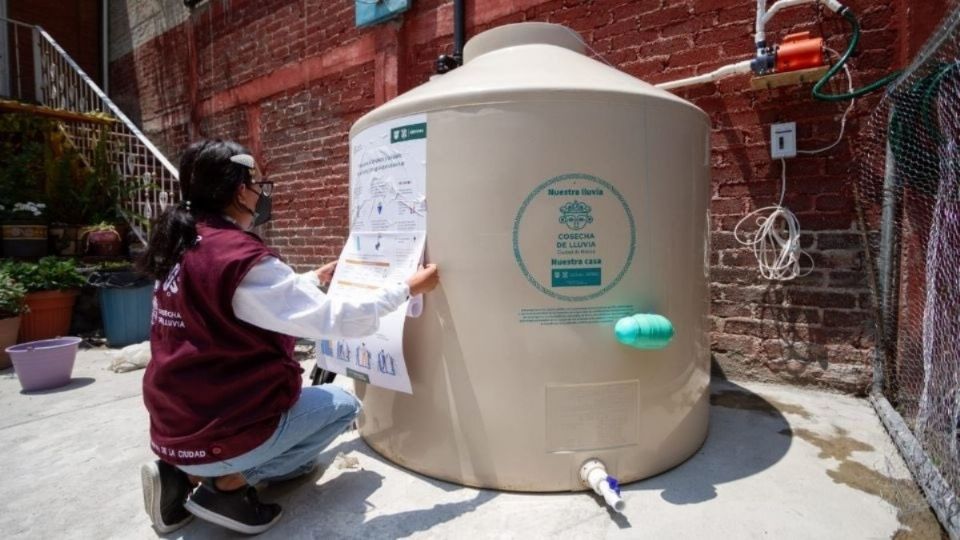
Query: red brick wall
[[288, 78]]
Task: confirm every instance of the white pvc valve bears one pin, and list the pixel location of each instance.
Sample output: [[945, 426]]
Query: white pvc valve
[[593, 473], [832, 5]]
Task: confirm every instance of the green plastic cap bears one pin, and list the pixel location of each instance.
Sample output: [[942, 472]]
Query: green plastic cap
[[644, 331]]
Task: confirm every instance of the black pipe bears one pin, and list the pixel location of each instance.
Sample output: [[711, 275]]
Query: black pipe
[[459, 27], [447, 62]]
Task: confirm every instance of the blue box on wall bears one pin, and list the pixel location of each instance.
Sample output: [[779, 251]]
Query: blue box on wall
[[370, 12]]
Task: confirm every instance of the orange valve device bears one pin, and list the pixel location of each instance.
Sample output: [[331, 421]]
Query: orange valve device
[[799, 51]]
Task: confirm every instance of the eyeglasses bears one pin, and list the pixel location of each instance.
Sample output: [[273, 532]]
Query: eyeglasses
[[266, 188]]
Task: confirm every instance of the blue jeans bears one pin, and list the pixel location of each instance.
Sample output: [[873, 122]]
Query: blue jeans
[[319, 416]]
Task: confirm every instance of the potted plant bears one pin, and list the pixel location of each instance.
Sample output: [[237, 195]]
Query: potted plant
[[101, 240], [103, 193], [25, 230], [23, 157], [87, 200], [11, 307], [66, 205], [52, 286]]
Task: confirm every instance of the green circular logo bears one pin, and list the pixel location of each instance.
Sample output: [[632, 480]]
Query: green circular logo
[[574, 237]]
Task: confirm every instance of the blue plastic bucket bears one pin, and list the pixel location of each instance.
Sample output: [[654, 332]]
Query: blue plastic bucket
[[126, 314]]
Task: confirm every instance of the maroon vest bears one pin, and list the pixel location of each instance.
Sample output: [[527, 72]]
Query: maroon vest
[[216, 386]]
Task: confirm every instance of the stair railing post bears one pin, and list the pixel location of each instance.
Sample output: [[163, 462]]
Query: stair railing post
[[37, 67]]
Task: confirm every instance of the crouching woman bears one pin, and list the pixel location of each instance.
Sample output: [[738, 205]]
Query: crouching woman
[[225, 396]]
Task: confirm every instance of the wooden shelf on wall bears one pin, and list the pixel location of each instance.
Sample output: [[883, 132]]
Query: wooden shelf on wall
[[67, 116], [790, 78]]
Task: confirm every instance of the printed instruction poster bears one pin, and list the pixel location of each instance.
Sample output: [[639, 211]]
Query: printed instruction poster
[[388, 223]]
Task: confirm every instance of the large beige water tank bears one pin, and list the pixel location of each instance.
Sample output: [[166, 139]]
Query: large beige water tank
[[563, 194]]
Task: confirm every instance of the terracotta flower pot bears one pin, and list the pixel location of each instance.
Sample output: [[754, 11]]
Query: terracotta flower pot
[[8, 336], [49, 315]]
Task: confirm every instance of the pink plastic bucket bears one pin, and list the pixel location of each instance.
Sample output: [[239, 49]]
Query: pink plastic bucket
[[44, 364]]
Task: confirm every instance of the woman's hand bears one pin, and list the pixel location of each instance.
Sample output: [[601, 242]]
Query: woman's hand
[[424, 280], [325, 272]]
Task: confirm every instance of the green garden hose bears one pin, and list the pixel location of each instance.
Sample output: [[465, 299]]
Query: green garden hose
[[914, 135], [854, 40], [929, 96]]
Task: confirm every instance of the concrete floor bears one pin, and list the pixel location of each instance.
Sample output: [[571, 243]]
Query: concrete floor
[[779, 462]]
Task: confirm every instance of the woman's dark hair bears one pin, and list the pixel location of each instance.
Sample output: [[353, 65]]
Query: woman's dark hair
[[208, 183]]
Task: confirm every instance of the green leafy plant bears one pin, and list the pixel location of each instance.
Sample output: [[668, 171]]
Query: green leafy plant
[[65, 186], [113, 266], [103, 189], [37, 164], [103, 226], [24, 152], [49, 274], [81, 194], [11, 296]]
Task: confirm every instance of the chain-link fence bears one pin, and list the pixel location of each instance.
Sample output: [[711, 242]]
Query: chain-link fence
[[909, 211]]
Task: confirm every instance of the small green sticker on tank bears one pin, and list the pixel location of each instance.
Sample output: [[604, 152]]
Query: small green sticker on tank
[[576, 277], [408, 133], [358, 375]]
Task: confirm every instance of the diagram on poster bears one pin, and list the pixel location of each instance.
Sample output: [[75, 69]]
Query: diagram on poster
[[388, 222]]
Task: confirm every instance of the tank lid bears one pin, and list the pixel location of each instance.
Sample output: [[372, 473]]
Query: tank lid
[[529, 33]]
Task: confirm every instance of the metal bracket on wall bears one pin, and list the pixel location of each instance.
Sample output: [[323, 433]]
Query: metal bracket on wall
[[789, 78]]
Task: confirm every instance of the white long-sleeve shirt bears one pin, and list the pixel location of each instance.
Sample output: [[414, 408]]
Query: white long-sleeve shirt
[[274, 297]]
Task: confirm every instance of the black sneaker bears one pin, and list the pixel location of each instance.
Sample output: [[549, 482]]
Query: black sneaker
[[165, 489], [239, 510]]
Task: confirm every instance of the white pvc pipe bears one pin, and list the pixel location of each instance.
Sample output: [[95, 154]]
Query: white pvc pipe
[[593, 473], [832, 5], [719, 73], [783, 4], [764, 16], [759, 33]]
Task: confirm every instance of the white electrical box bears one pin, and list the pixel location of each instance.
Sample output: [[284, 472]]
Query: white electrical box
[[783, 140]]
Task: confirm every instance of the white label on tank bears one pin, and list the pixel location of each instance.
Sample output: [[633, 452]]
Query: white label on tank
[[574, 237], [592, 416], [388, 176], [388, 222]]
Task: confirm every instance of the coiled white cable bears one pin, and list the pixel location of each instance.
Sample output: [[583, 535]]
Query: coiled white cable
[[776, 242]]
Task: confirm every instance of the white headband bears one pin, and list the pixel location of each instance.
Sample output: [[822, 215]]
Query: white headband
[[244, 159]]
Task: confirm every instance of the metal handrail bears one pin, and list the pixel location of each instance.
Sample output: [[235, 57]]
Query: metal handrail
[[18, 23], [16, 48], [113, 109]]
